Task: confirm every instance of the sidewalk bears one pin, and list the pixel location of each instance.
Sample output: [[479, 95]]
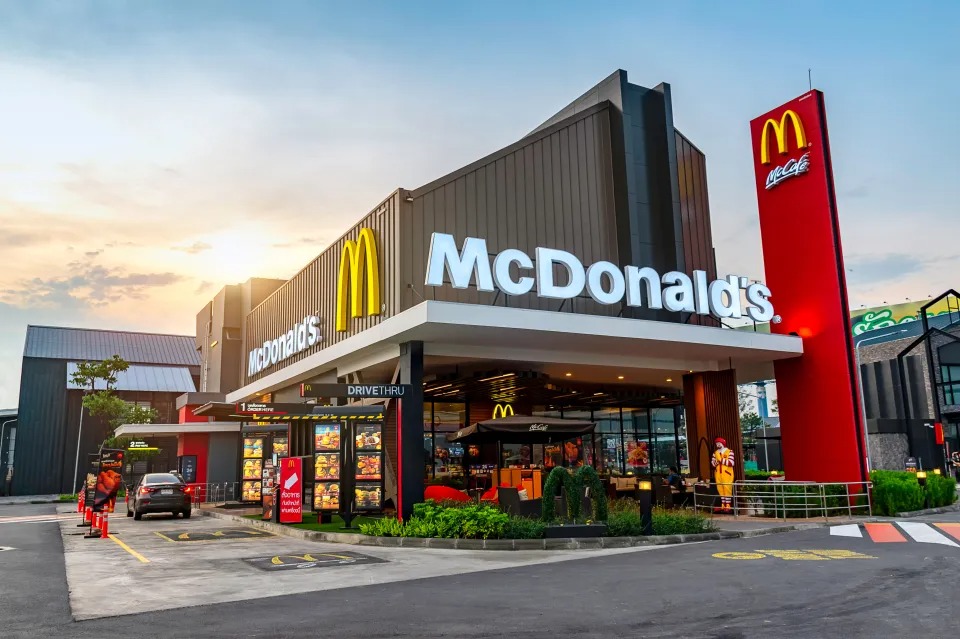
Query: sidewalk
[[20, 500]]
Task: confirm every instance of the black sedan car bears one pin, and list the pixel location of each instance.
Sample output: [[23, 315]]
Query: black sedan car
[[159, 493]]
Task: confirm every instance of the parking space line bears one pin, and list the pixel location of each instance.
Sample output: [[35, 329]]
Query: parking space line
[[130, 550]]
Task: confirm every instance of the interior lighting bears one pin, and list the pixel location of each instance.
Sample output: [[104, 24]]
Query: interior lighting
[[487, 379], [619, 376], [568, 374], [669, 379]]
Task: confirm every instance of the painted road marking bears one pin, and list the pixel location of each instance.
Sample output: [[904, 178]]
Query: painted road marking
[[847, 530], [951, 529], [884, 533], [216, 535], [5, 548], [312, 560], [794, 555], [37, 519], [130, 550], [924, 533]]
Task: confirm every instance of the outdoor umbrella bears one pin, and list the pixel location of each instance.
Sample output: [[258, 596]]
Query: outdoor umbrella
[[522, 428]]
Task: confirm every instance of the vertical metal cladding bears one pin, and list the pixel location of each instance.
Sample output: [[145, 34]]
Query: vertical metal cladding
[[42, 431], [313, 291], [711, 408], [695, 215], [553, 188]]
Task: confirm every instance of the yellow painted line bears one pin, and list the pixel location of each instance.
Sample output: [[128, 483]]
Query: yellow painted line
[[130, 550], [162, 536]]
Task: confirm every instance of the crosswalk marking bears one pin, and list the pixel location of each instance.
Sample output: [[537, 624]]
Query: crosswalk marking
[[39, 519], [951, 529], [884, 533], [902, 532], [847, 530], [924, 533]]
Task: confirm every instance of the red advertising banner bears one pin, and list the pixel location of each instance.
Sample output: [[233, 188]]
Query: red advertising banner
[[820, 418], [291, 490]]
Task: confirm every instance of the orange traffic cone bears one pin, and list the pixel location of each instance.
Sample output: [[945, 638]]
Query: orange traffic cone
[[104, 526], [89, 515], [80, 503]]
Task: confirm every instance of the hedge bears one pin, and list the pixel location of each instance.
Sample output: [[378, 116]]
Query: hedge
[[897, 492]]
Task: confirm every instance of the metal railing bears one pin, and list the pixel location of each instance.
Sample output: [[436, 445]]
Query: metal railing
[[788, 499], [213, 493]]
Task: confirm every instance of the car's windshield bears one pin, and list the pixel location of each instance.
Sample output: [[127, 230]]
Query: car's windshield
[[160, 478]]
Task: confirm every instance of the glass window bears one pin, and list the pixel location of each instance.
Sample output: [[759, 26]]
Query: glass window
[[448, 418], [663, 427], [636, 440], [608, 441]]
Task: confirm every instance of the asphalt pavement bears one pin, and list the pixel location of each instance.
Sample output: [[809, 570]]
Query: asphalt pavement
[[800, 584]]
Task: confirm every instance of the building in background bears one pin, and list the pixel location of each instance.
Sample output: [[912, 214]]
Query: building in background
[[162, 367], [8, 443]]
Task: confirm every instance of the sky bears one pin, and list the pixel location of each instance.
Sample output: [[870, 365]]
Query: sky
[[152, 152]]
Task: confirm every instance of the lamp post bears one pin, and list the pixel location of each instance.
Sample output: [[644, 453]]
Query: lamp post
[[863, 403]]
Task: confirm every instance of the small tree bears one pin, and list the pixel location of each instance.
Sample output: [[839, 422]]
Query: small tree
[[98, 381]]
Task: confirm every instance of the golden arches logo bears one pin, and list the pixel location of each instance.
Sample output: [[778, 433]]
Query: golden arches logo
[[502, 410], [780, 133], [358, 265]]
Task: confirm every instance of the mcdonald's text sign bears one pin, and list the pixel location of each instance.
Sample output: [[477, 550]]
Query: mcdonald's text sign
[[803, 261]]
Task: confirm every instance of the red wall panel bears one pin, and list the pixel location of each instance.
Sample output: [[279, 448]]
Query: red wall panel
[[819, 415]]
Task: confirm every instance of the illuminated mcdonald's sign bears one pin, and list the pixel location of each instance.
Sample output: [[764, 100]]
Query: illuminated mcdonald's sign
[[358, 265], [794, 166], [502, 410], [780, 133]]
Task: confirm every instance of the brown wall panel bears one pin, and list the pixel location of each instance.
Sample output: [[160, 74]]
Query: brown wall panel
[[695, 215], [712, 410], [554, 189]]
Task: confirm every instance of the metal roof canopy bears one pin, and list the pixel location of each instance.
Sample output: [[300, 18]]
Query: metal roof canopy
[[82, 344], [228, 412], [158, 379]]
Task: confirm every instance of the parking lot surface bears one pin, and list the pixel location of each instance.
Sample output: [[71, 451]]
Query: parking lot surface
[[166, 563]]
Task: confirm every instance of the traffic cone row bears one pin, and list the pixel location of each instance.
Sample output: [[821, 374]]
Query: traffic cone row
[[81, 501]]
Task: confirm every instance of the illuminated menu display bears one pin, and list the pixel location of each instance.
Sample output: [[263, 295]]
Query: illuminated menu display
[[251, 491], [326, 437], [368, 437], [368, 496], [326, 466], [326, 496], [253, 448], [368, 467], [281, 446], [252, 468]]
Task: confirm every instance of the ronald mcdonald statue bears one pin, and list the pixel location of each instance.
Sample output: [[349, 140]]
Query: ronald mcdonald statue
[[723, 463]]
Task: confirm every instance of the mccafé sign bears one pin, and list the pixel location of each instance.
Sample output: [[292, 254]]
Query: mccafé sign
[[299, 338], [789, 121], [605, 282]]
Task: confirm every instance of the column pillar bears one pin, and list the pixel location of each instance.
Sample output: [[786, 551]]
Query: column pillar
[[710, 403], [410, 430]]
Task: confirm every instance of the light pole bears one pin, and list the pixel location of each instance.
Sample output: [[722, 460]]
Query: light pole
[[863, 403]]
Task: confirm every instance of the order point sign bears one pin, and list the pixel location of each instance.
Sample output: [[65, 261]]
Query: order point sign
[[291, 490]]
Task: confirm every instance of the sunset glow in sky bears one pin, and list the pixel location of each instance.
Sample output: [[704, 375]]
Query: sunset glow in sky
[[152, 152]]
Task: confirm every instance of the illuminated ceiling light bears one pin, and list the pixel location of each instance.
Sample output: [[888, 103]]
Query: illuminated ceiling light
[[690, 371], [487, 379], [436, 388], [568, 374], [669, 379], [619, 376], [597, 394]]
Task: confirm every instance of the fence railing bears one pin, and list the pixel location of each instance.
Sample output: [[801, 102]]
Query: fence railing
[[220, 492], [789, 499]]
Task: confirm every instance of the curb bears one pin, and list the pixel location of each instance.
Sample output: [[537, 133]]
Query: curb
[[562, 543], [35, 501], [930, 511]]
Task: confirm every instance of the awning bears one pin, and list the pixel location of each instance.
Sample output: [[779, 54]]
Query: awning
[[523, 428], [157, 379], [161, 430]]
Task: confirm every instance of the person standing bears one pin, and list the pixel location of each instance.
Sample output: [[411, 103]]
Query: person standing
[[722, 462]]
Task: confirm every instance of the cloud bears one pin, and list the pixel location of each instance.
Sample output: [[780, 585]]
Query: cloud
[[869, 269], [86, 286], [203, 286], [93, 253], [298, 242], [193, 249], [21, 238]]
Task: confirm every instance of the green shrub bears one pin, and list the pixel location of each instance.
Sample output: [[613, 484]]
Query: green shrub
[[471, 521], [941, 489], [625, 523], [588, 477], [69, 497], [756, 475], [574, 485], [385, 527], [624, 505], [895, 492], [680, 522], [523, 528]]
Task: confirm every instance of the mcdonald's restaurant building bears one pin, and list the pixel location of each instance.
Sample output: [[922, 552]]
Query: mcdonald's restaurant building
[[569, 274]]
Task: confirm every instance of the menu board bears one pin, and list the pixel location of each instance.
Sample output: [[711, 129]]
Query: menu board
[[368, 496], [252, 468], [326, 466], [281, 446], [253, 448], [250, 491], [326, 496], [368, 467], [326, 437], [368, 437]]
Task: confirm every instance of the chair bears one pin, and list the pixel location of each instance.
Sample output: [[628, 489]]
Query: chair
[[511, 503]]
